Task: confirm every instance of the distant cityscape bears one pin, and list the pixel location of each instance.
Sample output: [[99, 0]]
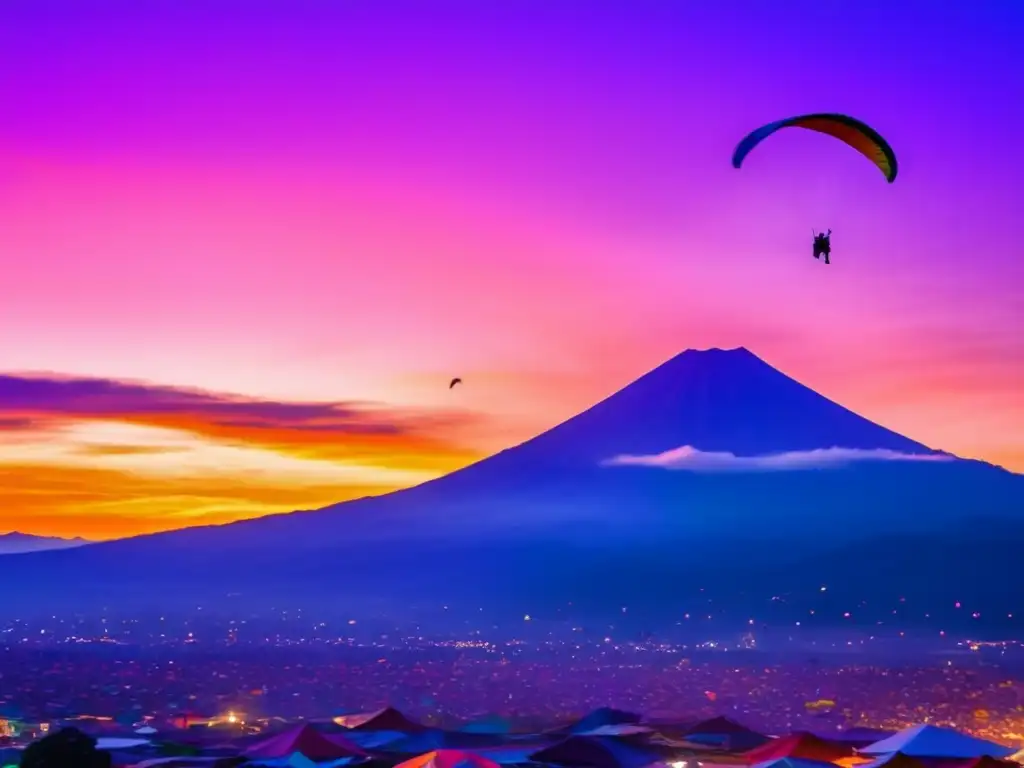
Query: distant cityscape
[[289, 666]]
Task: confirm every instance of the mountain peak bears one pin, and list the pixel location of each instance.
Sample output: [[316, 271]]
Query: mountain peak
[[725, 363], [15, 541], [727, 400], [719, 353], [19, 536]]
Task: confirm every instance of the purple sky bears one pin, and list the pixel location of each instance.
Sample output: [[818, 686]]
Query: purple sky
[[348, 201]]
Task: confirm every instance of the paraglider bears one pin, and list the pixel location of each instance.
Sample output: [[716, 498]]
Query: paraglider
[[454, 382], [823, 245], [862, 137], [849, 130]]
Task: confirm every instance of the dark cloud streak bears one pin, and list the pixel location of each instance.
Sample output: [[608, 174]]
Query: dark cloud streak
[[29, 401]]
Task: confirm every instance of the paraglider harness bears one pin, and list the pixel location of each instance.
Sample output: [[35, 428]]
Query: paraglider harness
[[822, 245]]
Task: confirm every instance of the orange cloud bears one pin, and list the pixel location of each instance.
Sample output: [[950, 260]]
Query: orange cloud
[[104, 458], [105, 504]]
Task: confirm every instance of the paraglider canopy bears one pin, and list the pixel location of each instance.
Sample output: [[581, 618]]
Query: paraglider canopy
[[454, 382], [849, 130]]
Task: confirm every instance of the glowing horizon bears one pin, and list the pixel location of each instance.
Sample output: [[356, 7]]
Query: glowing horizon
[[272, 235]]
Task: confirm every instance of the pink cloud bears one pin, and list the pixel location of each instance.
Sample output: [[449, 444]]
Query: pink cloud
[[691, 459]]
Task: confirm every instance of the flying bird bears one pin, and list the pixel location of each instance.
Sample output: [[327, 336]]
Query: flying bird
[[454, 382]]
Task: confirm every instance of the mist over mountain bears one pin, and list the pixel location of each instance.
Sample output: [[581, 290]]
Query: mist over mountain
[[713, 480]]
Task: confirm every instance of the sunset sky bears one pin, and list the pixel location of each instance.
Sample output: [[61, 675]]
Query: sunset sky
[[245, 245]]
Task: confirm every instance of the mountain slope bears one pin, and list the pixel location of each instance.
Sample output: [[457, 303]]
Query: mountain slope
[[759, 486], [714, 400]]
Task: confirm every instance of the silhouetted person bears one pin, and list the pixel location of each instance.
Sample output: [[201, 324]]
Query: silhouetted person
[[823, 246], [67, 748]]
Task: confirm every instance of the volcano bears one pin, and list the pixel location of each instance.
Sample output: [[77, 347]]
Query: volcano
[[712, 469]]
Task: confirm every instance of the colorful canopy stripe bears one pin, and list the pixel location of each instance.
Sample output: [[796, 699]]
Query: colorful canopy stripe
[[305, 740], [448, 758], [804, 746], [858, 135]]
